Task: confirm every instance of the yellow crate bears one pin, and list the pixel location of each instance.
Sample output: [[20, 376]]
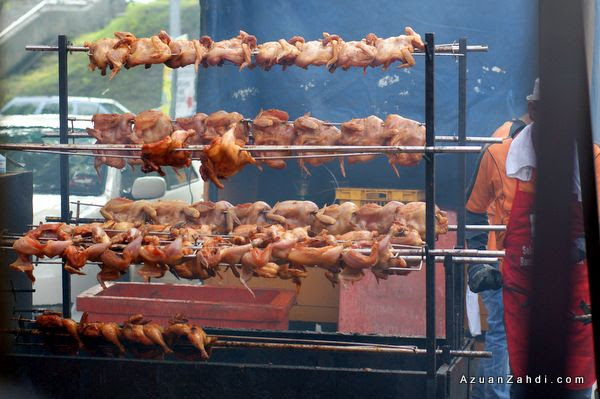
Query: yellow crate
[[361, 196]]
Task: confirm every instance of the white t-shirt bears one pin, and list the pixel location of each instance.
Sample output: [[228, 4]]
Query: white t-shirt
[[521, 160]]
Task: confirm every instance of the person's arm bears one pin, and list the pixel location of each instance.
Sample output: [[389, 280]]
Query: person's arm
[[480, 196]]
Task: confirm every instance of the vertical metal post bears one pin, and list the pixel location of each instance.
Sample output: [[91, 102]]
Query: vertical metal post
[[175, 32], [462, 135], [430, 214], [63, 109], [459, 274], [450, 298]]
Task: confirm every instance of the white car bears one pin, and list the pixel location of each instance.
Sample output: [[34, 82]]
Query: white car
[[36, 105], [88, 188]]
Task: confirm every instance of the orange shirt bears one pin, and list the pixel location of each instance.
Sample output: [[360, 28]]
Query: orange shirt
[[492, 190]]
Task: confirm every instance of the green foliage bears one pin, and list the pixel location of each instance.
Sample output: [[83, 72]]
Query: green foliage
[[137, 89]]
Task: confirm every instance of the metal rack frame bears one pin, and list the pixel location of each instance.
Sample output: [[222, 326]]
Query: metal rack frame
[[454, 270]]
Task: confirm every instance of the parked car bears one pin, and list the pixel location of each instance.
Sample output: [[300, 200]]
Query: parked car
[[92, 190], [36, 105]]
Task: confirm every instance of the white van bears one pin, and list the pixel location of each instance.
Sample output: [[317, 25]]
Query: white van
[[88, 188]]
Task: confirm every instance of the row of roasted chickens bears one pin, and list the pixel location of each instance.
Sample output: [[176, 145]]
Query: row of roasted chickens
[[222, 217], [136, 333], [127, 50], [265, 242], [226, 133]]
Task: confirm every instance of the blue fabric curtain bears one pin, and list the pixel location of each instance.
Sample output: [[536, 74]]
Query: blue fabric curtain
[[498, 81]]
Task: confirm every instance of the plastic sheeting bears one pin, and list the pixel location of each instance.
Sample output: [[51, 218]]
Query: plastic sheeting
[[498, 82]]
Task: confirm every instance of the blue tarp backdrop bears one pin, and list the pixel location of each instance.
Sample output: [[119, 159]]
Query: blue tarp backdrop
[[498, 82]]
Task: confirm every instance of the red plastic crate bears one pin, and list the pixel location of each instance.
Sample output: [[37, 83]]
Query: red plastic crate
[[229, 307]]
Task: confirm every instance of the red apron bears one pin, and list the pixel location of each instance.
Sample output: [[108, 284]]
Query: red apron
[[518, 244]]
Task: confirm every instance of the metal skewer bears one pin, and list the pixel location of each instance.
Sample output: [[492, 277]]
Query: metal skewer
[[251, 148], [339, 346], [479, 227], [472, 139], [83, 154], [446, 49], [312, 156]]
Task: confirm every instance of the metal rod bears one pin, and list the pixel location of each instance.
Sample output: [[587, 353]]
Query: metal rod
[[446, 49], [479, 227], [416, 253], [56, 219], [449, 299], [430, 215], [455, 259], [359, 347], [314, 341], [336, 348], [263, 148], [84, 154], [86, 204], [458, 269], [462, 134], [336, 155], [469, 139], [63, 107], [37, 47]]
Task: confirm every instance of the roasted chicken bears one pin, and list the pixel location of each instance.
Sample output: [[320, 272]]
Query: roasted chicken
[[271, 127], [281, 52], [223, 158], [237, 50], [373, 217], [336, 219], [196, 123], [179, 328], [254, 213], [404, 132], [51, 322], [151, 126], [220, 216], [164, 152], [317, 52], [412, 215], [397, 48], [356, 54], [312, 131], [111, 129], [147, 51], [362, 132], [218, 123], [109, 52], [142, 336], [126, 210], [292, 214], [183, 52], [271, 242], [95, 332], [174, 212], [140, 331]]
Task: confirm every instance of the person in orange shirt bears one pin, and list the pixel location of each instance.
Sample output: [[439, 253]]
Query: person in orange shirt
[[489, 199]]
